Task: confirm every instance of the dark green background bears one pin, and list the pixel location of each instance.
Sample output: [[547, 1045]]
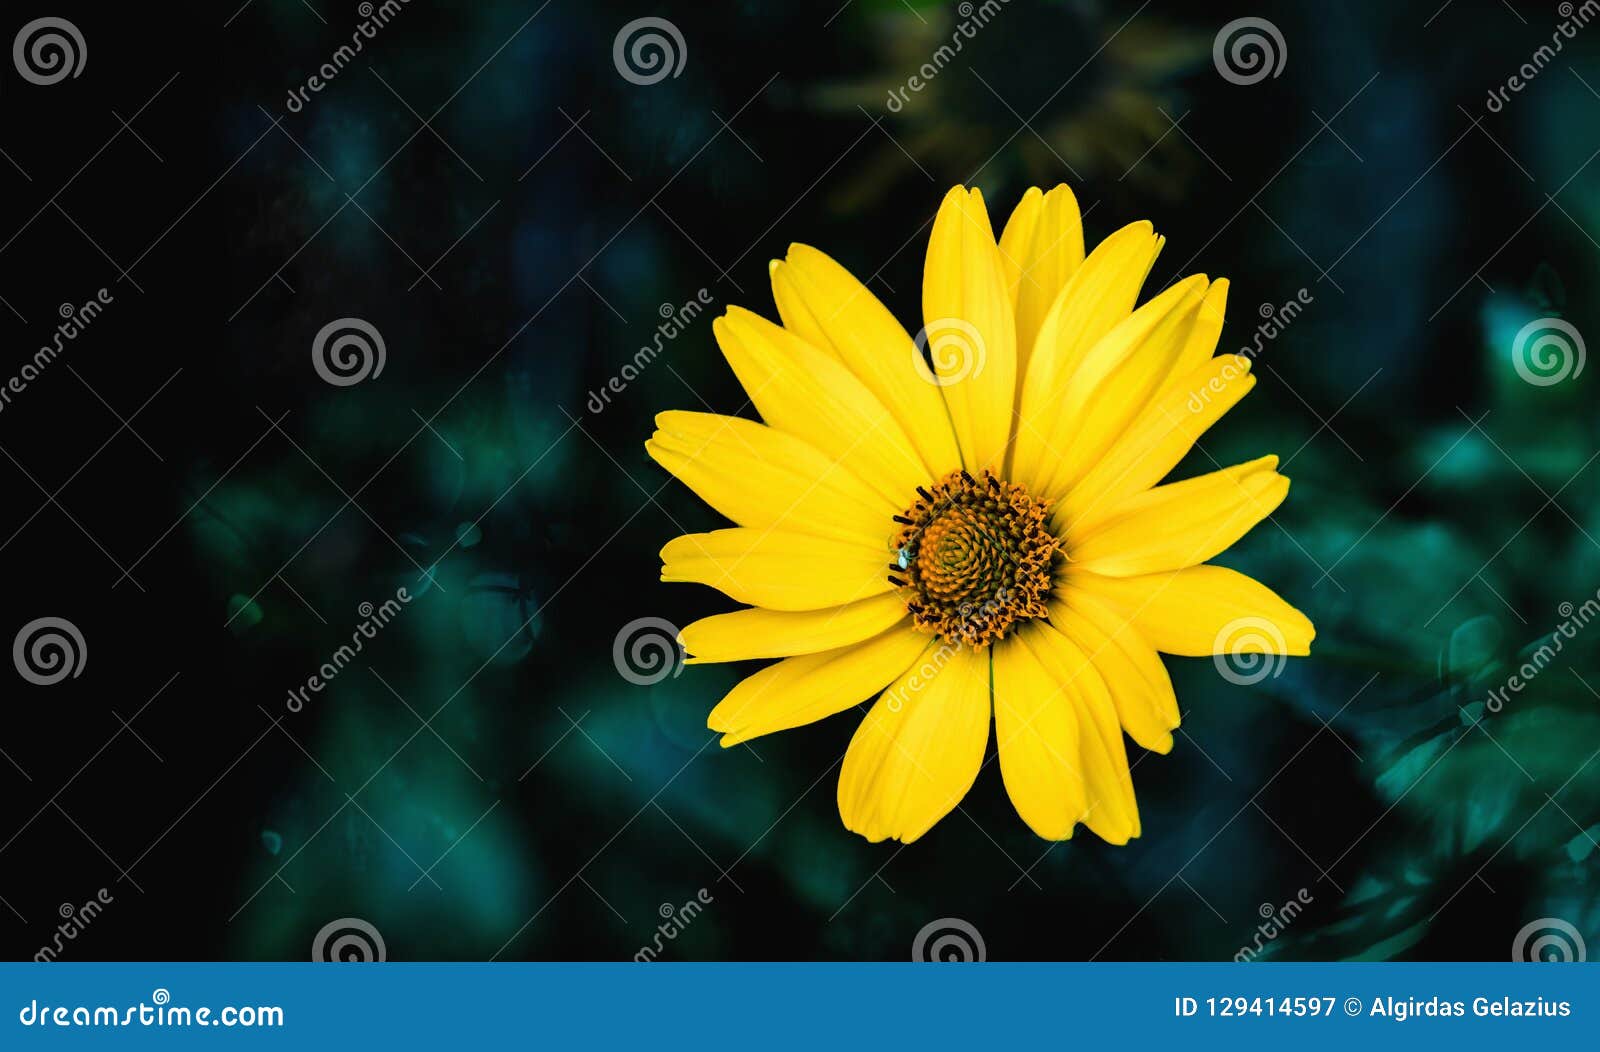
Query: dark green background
[[1442, 511]]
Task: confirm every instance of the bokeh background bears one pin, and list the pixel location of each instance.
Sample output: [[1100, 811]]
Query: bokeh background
[[484, 187]]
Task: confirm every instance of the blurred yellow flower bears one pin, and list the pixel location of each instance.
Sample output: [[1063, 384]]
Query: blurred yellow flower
[[971, 522], [953, 90]]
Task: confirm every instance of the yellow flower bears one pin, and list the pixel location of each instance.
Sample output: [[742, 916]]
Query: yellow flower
[[983, 536]]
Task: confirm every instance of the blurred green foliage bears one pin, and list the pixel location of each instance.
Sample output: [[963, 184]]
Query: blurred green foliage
[[1443, 508]]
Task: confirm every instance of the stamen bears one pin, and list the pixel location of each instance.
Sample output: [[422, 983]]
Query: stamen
[[977, 557]]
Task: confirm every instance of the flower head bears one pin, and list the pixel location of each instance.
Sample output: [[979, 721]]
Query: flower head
[[972, 524]]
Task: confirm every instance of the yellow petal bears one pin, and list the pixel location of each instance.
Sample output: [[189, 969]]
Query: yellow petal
[[807, 392], [760, 476], [1015, 239], [1200, 611], [1112, 811], [778, 569], [970, 329], [1202, 339], [793, 311], [757, 633], [1037, 732], [1119, 377], [801, 690], [1161, 436], [1100, 293], [1140, 688], [823, 302], [920, 747], [1041, 248], [1179, 524]]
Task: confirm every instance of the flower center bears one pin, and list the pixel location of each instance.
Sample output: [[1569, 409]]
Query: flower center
[[974, 557]]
